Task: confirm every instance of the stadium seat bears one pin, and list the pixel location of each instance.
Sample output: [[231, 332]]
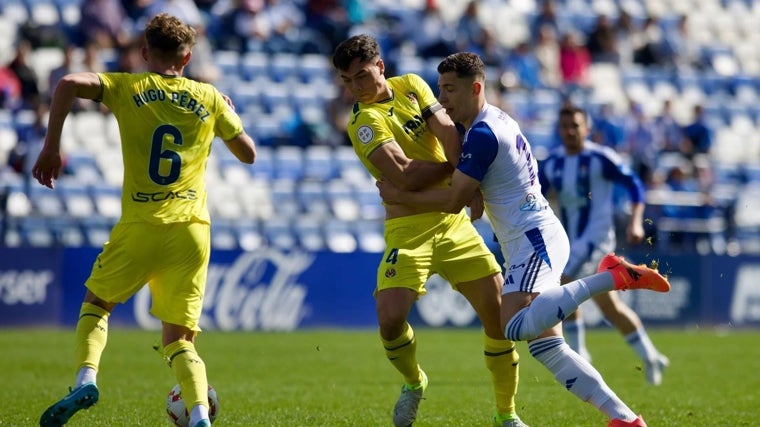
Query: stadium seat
[[76, 198], [340, 194], [278, 233], [223, 235], [283, 193], [35, 232], [313, 68], [46, 202], [312, 199], [249, 236], [107, 200], [308, 231], [318, 164], [284, 67], [289, 161], [369, 235], [339, 236], [254, 65]]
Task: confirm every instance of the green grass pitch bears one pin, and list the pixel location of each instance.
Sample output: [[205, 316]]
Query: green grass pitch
[[341, 378]]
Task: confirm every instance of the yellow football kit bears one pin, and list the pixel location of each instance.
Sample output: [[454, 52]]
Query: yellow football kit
[[417, 245], [166, 125]]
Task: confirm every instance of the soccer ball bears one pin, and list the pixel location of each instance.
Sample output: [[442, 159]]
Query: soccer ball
[[178, 413]]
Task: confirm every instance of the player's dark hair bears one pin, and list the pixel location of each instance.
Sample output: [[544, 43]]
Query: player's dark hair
[[362, 46], [571, 110], [169, 35], [464, 64]]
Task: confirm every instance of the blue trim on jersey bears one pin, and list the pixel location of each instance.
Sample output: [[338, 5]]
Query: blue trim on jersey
[[479, 150], [584, 190], [622, 174]]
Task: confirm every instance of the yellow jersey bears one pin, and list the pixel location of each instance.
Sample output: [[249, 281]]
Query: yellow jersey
[[401, 118], [166, 125]]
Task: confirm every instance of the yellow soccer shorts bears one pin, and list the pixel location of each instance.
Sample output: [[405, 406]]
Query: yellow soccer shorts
[[171, 258], [418, 246]]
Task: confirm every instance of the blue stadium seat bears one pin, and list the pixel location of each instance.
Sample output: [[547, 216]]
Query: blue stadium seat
[[278, 233], [254, 65], [308, 232], [318, 163], [36, 232]]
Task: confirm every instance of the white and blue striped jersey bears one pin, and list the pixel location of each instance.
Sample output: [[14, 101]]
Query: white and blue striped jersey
[[584, 185], [496, 153]]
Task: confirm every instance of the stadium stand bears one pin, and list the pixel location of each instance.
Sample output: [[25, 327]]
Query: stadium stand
[[308, 190]]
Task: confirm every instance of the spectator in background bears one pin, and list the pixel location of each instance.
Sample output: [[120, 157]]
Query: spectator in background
[[679, 51], [647, 43], [246, 27], [640, 142], [285, 20], [29, 141], [668, 133], [10, 89], [625, 30], [697, 134], [430, 33], [329, 18], [607, 127], [105, 22], [546, 49], [602, 42], [574, 62], [70, 64], [20, 65], [522, 62], [547, 16]]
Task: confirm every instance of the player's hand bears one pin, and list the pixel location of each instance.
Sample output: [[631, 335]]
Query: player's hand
[[388, 192], [228, 100], [635, 233], [47, 167], [476, 206]]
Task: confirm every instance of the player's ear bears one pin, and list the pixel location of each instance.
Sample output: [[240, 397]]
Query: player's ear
[[187, 57], [380, 65], [477, 87]]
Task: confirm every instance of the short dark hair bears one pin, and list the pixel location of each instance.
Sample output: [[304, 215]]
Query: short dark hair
[[571, 110], [362, 46], [464, 64]]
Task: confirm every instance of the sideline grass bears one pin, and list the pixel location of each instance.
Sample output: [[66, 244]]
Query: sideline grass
[[341, 378]]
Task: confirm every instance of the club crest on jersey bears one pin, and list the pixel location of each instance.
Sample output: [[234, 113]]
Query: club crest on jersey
[[391, 272], [365, 134], [412, 97]]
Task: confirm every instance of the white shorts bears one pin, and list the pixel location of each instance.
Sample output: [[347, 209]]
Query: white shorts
[[535, 261], [585, 257]]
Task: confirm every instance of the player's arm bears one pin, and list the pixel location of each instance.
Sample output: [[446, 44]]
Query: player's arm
[[72, 86], [614, 169], [405, 173], [446, 131], [451, 199], [242, 145]]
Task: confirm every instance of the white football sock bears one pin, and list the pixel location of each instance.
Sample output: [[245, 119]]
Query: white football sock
[[86, 375], [642, 345], [578, 376], [575, 336], [198, 413], [551, 306]]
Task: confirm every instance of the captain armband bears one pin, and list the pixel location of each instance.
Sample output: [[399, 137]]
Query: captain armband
[[430, 110]]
